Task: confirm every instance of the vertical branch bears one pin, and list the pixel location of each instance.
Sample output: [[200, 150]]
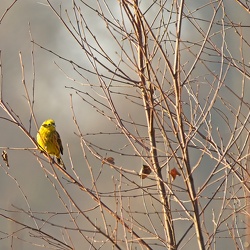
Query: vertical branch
[[183, 145], [30, 102], [147, 97], [1, 78], [247, 239]]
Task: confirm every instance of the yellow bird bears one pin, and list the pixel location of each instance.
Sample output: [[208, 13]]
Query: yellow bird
[[49, 140]]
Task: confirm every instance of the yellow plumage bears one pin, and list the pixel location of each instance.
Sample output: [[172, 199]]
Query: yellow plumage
[[49, 140]]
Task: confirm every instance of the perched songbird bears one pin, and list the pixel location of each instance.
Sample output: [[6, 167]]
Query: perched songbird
[[49, 140]]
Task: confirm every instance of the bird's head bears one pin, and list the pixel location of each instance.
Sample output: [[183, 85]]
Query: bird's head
[[50, 124]]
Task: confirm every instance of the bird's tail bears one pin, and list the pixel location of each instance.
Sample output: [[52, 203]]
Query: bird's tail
[[60, 162]]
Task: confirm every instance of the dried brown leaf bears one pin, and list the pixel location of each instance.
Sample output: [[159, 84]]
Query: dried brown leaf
[[109, 159], [145, 171], [174, 172]]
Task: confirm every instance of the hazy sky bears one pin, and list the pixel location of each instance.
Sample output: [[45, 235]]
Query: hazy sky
[[52, 98]]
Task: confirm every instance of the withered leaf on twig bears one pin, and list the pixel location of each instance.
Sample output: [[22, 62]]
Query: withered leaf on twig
[[174, 172], [145, 171], [109, 159], [5, 158]]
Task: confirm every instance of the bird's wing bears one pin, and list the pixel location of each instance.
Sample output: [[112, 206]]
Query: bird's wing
[[59, 141]]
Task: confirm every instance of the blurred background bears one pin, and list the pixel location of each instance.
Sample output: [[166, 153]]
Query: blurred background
[[49, 82]]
